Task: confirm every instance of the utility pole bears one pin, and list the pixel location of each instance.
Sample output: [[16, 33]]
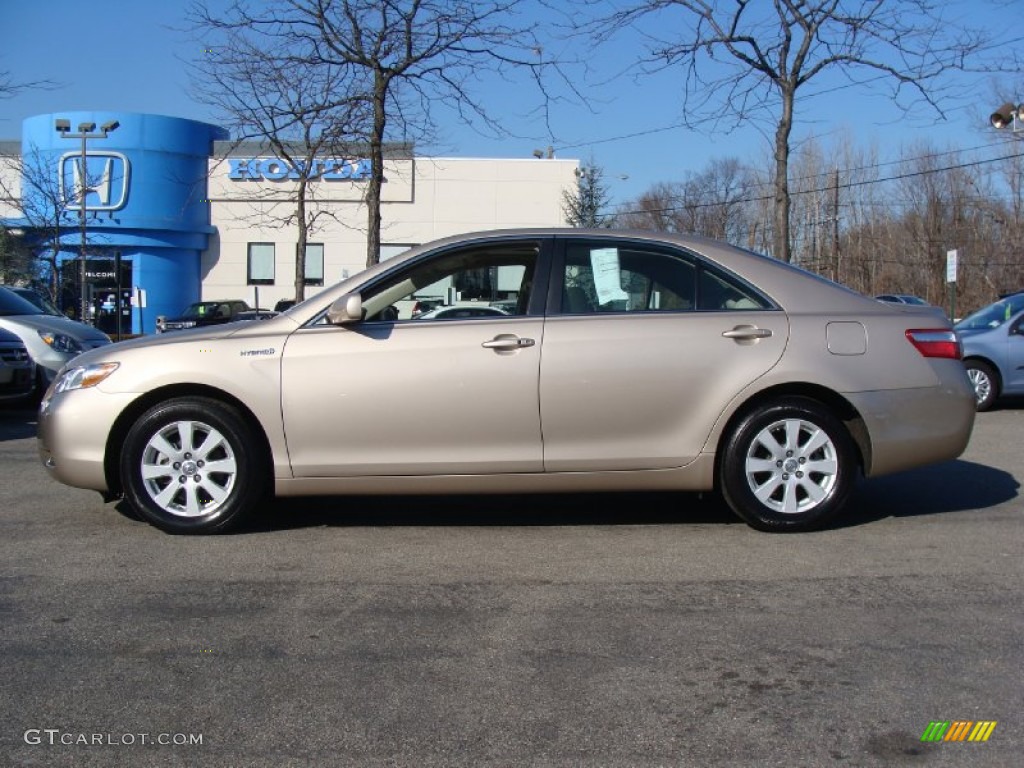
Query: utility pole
[[835, 222]]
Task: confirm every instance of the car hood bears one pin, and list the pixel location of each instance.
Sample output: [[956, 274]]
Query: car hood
[[253, 327], [965, 332], [56, 324]]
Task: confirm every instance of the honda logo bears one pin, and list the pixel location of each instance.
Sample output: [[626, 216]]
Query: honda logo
[[105, 179]]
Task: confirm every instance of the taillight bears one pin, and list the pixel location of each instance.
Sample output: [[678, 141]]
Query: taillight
[[933, 342]]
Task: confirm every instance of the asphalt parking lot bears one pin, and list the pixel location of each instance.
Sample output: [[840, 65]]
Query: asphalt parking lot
[[585, 630]]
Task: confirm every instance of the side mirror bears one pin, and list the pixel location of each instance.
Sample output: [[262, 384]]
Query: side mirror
[[347, 309]]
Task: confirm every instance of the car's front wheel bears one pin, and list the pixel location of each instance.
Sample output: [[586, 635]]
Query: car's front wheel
[[985, 382], [192, 465], [788, 466]]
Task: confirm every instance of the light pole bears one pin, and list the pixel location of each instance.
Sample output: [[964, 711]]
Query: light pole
[[86, 131]]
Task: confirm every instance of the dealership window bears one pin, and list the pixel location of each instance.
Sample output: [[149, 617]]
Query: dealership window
[[261, 264], [314, 263], [388, 250]]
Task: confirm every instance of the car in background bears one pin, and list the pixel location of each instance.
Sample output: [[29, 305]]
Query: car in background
[[35, 297], [635, 361], [203, 313], [17, 371], [993, 343], [902, 298], [51, 340], [421, 305], [255, 314], [460, 312]]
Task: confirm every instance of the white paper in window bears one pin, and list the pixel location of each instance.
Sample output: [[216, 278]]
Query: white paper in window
[[605, 264]]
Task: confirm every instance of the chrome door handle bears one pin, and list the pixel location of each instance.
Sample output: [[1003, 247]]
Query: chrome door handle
[[747, 332], [508, 342]]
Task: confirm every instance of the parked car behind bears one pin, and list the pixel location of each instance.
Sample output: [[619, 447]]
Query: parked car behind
[[902, 298], [33, 296], [204, 313], [17, 371], [993, 344], [459, 312], [51, 340], [635, 361]]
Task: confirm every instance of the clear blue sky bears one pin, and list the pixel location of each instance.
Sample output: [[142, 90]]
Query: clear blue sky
[[126, 55]]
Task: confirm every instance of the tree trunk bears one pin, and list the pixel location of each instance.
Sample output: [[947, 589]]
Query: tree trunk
[[781, 244], [300, 243], [373, 192]]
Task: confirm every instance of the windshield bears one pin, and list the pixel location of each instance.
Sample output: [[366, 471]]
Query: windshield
[[993, 315], [13, 304], [45, 305], [205, 309]]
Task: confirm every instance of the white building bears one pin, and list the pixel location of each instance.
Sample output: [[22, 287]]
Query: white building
[[190, 216]]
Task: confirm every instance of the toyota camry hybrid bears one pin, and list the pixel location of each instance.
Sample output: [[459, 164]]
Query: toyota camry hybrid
[[622, 361]]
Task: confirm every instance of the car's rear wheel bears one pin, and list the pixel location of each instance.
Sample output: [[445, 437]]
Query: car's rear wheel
[[192, 465], [985, 382], [788, 466]]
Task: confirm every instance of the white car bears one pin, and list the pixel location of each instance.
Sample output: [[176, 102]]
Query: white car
[[17, 371], [461, 312], [51, 340]]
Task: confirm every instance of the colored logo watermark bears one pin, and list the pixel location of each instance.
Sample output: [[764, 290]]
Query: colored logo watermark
[[958, 730]]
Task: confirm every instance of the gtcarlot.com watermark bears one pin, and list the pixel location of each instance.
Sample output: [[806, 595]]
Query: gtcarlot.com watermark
[[58, 737]]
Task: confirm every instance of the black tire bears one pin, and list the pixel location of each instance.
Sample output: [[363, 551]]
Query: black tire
[[806, 476], [985, 381], [39, 385], [197, 500]]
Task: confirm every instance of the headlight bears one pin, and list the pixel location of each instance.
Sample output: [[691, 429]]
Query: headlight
[[83, 377], [61, 342]]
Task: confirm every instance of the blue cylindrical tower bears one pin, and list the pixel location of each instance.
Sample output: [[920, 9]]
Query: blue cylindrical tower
[[145, 200]]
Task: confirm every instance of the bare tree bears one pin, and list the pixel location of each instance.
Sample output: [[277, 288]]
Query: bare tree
[[743, 58], [48, 211], [16, 262], [301, 111], [715, 202], [9, 87], [400, 58]]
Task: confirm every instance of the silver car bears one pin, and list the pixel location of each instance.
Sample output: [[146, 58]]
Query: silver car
[[17, 371], [51, 340], [634, 361]]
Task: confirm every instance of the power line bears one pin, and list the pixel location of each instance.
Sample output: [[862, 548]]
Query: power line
[[846, 185]]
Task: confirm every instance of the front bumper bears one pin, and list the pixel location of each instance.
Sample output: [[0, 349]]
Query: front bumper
[[73, 430]]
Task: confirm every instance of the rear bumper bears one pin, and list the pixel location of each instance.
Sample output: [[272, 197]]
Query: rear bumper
[[909, 428]]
